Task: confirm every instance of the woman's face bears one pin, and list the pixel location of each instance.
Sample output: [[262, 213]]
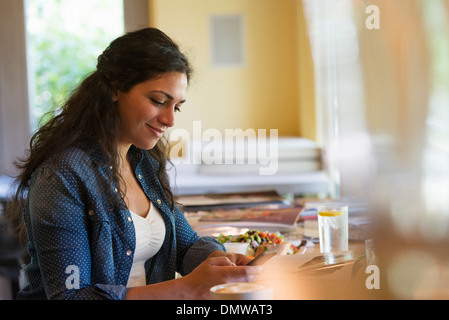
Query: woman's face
[[148, 109]]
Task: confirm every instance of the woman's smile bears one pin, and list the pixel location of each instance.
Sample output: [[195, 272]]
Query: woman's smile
[[157, 132]]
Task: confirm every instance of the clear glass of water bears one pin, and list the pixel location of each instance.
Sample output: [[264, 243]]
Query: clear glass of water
[[333, 227]]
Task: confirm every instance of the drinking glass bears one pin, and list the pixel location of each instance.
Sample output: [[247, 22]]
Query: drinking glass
[[333, 227]]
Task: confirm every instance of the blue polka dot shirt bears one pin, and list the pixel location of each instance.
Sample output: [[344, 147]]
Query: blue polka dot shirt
[[81, 244]]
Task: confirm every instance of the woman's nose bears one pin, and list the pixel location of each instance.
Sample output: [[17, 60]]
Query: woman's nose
[[167, 117]]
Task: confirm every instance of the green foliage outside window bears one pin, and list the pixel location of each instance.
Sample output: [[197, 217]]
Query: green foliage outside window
[[64, 40]]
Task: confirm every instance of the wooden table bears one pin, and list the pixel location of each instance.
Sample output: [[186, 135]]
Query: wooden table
[[292, 280]]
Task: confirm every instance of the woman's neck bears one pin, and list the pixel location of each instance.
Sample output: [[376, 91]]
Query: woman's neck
[[123, 149]]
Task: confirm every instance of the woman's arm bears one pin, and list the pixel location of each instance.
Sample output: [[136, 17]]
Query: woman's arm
[[196, 285], [191, 250], [58, 225]]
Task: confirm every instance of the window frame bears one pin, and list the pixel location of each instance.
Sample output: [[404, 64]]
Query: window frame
[[14, 113]]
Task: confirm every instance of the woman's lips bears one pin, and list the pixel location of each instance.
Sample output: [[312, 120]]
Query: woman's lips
[[156, 131]]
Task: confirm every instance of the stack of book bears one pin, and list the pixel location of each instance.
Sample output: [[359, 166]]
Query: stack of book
[[263, 210]]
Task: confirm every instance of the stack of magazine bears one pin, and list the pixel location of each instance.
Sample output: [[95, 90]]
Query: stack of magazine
[[253, 210]]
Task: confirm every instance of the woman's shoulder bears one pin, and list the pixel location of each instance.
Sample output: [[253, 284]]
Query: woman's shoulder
[[75, 159]]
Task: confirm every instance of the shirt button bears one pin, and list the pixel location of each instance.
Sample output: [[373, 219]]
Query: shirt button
[[129, 252], [115, 190], [158, 201], [91, 212], [129, 219], [140, 176]]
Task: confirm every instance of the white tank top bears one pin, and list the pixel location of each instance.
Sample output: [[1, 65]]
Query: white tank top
[[150, 234]]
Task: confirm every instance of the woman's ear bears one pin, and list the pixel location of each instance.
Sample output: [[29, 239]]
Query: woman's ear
[[114, 92]]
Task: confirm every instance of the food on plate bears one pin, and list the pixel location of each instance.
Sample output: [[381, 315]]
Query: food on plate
[[260, 241]]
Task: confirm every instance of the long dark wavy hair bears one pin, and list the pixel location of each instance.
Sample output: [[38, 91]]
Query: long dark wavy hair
[[90, 115]]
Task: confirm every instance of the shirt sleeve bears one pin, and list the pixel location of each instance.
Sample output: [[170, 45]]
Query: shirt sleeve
[[60, 236], [192, 249]]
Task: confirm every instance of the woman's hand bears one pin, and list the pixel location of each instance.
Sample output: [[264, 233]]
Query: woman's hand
[[236, 258], [220, 267], [218, 270]]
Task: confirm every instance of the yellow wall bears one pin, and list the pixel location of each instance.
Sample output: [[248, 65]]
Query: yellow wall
[[263, 94], [306, 79]]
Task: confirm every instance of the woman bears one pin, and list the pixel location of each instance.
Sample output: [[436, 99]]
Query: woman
[[99, 214]]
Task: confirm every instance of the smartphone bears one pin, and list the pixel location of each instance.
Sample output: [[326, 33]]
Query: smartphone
[[262, 258]]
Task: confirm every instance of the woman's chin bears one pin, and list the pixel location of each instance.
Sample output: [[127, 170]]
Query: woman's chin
[[147, 145]]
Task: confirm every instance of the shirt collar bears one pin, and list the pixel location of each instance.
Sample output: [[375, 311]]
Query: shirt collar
[[135, 155], [101, 158]]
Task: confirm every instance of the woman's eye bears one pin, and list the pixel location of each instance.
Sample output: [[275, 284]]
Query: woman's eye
[[157, 102], [177, 109]]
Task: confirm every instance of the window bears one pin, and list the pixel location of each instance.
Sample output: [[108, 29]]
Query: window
[[18, 81], [64, 39], [436, 154], [339, 94], [372, 89], [435, 18]]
